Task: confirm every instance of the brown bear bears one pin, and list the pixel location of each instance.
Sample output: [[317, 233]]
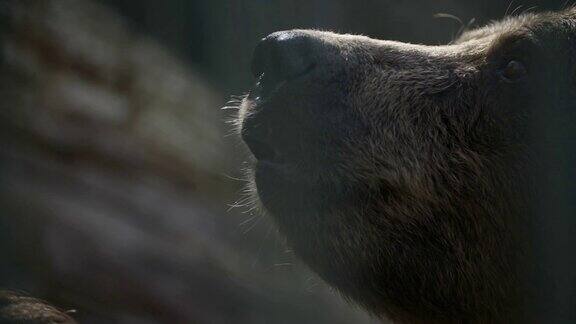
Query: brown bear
[[400, 173]]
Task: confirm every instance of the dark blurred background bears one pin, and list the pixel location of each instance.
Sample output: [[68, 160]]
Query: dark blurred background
[[120, 183], [218, 36]]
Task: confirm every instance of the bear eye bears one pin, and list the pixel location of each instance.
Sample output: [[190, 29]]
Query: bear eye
[[513, 71]]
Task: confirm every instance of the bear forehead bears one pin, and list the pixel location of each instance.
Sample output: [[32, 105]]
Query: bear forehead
[[525, 25]]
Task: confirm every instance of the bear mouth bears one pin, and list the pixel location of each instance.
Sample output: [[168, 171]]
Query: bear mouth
[[255, 131], [281, 170], [266, 127]]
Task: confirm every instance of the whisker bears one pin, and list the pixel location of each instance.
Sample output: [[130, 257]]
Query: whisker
[[568, 4], [462, 27], [227, 176], [261, 245], [247, 221], [529, 9], [449, 16], [253, 226], [234, 102], [508, 9], [516, 10], [251, 209]]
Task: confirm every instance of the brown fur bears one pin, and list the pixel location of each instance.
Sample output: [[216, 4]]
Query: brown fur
[[19, 309], [405, 180]]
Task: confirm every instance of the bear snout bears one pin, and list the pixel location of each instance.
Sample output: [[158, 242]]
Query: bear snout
[[283, 56], [277, 124]]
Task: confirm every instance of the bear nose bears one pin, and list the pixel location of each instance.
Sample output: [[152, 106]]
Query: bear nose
[[279, 57], [282, 56]]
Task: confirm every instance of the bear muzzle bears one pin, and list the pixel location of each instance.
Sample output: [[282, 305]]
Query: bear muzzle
[[280, 61]]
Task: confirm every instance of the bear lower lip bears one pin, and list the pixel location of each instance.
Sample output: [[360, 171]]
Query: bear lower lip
[[266, 168], [280, 190], [267, 176], [262, 151], [285, 191]]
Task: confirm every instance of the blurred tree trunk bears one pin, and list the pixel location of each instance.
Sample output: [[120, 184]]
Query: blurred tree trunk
[[112, 194]]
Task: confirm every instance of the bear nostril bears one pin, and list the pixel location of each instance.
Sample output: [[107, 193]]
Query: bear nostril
[[282, 56]]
